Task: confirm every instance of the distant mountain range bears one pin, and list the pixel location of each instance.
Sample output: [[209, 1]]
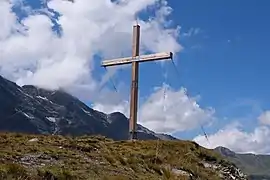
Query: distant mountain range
[[256, 166], [29, 109]]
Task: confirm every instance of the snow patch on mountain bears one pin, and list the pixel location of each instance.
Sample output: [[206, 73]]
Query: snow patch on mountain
[[51, 119]]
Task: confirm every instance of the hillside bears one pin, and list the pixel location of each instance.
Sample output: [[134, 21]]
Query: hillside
[[257, 167], [58, 157], [29, 109]]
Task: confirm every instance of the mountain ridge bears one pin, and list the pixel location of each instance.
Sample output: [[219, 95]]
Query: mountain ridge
[[31, 109], [257, 167]]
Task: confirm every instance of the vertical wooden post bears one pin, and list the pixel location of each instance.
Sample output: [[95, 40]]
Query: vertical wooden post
[[134, 84]]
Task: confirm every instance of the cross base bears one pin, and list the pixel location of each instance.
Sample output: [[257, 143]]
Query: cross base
[[133, 135]]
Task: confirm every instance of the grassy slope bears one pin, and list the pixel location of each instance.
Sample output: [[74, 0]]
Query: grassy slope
[[100, 158]]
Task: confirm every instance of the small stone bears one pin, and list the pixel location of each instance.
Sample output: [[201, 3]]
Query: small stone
[[180, 172], [33, 140]]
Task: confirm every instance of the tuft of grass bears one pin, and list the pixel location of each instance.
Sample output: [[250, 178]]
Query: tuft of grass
[[110, 159], [13, 171], [56, 173]]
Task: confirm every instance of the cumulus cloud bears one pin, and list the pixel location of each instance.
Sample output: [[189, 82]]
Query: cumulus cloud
[[264, 118], [191, 32], [112, 101], [33, 53], [235, 138], [166, 110]]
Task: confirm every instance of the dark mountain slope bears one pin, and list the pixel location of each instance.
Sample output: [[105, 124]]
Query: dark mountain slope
[[29, 109], [256, 166]]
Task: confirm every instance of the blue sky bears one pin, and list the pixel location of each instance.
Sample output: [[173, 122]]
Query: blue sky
[[226, 61], [229, 69], [230, 66]]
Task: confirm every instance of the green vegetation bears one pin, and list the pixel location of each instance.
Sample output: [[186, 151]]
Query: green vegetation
[[57, 157]]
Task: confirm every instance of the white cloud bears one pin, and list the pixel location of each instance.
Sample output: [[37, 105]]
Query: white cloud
[[236, 139], [111, 107], [264, 118], [176, 112], [168, 111], [7, 18], [192, 32], [37, 55], [111, 101]]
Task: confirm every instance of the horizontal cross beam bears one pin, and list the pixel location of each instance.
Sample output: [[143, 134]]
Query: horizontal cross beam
[[142, 58]]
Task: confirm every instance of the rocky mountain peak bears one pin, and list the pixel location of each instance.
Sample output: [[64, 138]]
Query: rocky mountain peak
[[225, 151], [31, 109]]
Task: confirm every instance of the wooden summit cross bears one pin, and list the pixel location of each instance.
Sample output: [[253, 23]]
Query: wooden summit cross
[[135, 60]]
